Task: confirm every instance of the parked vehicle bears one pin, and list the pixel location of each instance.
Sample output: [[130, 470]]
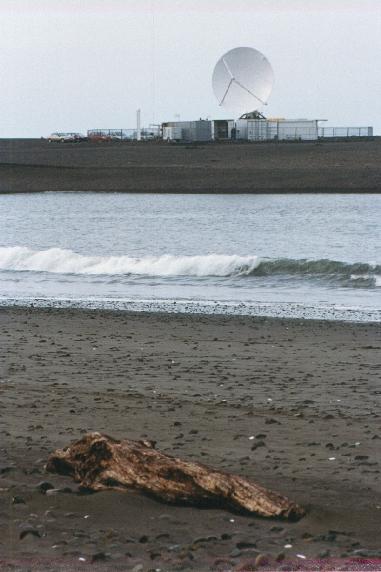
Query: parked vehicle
[[99, 137], [58, 137]]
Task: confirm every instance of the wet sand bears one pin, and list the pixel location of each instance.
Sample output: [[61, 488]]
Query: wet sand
[[307, 391], [329, 166]]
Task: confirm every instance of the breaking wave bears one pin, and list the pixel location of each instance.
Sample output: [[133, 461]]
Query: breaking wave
[[61, 261]]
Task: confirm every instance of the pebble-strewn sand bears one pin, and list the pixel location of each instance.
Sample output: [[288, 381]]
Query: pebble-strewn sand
[[32, 165], [201, 386]]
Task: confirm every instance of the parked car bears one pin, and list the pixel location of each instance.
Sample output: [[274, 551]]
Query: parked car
[[99, 137], [57, 137]]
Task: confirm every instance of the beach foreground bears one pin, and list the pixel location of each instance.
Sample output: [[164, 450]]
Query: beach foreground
[[292, 405]]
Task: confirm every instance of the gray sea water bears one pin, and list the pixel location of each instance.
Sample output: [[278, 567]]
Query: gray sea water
[[310, 256]]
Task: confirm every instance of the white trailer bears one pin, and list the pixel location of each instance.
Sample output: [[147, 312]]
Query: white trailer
[[282, 129], [172, 133], [200, 130]]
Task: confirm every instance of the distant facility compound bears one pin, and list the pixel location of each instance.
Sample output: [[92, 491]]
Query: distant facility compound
[[242, 83], [250, 128]]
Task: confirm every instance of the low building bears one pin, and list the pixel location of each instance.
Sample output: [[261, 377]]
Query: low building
[[255, 127], [200, 130], [251, 127], [259, 128], [282, 129], [223, 129]]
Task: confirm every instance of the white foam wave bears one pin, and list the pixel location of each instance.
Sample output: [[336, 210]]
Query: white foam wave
[[61, 261]]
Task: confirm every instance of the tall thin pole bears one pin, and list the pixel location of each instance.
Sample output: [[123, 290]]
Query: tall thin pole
[[153, 60], [138, 126]]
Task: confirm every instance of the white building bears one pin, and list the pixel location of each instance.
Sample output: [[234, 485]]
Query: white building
[[282, 129], [246, 128], [200, 130]]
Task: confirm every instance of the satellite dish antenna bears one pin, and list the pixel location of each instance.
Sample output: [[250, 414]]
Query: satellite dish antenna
[[243, 80]]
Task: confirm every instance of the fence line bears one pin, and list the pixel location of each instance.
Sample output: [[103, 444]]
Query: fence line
[[151, 132], [261, 130], [345, 132]]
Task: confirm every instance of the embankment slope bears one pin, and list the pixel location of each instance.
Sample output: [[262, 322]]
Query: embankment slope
[[33, 165]]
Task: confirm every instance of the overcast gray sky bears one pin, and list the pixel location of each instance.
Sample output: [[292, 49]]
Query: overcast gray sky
[[72, 65]]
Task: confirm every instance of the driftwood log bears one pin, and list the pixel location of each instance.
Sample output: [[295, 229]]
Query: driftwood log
[[99, 462]]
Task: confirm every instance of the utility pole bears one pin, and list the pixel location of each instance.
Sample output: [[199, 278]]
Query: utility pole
[[138, 126]]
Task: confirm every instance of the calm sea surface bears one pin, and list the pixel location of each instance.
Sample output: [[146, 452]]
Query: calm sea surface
[[314, 256]]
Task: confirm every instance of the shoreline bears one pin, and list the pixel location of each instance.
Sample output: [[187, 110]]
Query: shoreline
[[202, 386], [163, 314], [291, 191], [182, 308]]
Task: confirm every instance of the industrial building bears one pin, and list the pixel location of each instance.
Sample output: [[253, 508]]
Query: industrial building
[[200, 130], [253, 127], [245, 128]]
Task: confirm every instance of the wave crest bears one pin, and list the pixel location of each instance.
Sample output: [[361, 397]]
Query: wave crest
[[61, 261]]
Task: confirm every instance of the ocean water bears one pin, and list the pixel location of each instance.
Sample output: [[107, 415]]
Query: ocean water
[[310, 256]]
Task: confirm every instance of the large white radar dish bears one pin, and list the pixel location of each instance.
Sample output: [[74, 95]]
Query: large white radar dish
[[243, 80]]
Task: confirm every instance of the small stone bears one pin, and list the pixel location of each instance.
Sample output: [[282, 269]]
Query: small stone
[[367, 553], [4, 469], [258, 444], [29, 531], [154, 554], [18, 500], [271, 421], [244, 544], [235, 553], [44, 486], [137, 568], [307, 536], [71, 515], [52, 492], [202, 539], [174, 548]]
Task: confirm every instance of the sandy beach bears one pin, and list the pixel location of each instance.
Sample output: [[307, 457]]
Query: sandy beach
[[293, 405]]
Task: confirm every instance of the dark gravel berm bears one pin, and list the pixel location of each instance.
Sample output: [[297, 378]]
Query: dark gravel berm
[[33, 165]]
